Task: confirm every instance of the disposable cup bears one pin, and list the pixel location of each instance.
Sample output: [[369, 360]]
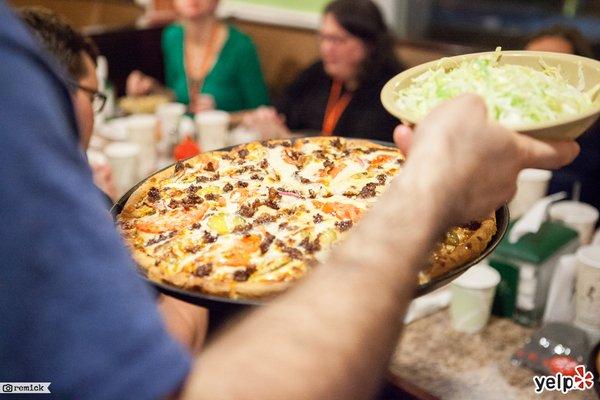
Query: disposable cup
[[122, 157], [581, 217], [168, 115], [532, 185], [142, 130], [587, 292], [472, 295], [213, 128]]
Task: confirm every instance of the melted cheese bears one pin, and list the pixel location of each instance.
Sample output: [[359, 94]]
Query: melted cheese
[[274, 265], [276, 162]]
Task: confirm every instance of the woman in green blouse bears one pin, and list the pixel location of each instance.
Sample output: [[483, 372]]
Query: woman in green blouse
[[203, 57]]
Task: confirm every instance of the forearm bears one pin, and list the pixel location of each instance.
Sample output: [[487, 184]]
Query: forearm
[[185, 322], [332, 336]]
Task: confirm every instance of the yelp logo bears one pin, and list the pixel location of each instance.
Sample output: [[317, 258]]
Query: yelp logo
[[579, 380]]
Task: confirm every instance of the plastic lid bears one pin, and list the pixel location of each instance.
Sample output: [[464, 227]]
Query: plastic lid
[[121, 150], [573, 212], [211, 117], [171, 109], [589, 255], [532, 174], [115, 129], [144, 121], [480, 276]]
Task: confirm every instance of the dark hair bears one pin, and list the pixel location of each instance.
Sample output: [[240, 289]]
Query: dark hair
[[363, 19], [581, 46], [60, 38]]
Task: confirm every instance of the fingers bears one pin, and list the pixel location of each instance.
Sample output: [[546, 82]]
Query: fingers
[[139, 84], [403, 137], [464, 109], [546, 155]]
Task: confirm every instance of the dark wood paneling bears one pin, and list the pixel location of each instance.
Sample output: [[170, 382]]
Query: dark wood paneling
[[86, 13], [129, 49]]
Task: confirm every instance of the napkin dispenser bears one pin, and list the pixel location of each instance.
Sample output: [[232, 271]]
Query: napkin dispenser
[[526, 268]]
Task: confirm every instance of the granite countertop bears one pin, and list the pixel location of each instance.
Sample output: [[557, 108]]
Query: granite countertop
[[453, 365]]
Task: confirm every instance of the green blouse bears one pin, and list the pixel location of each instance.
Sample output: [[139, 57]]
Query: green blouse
[[235, 81]]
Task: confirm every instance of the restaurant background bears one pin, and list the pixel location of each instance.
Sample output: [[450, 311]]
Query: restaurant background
[[128, 35]]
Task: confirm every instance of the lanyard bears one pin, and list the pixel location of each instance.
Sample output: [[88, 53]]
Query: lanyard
[[195, 85], [335, 107]]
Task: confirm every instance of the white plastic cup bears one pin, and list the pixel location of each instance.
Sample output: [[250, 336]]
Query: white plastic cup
[[587, 292], [472, 296], [122, 157], [213, 128], [241, 135], [532, 185], [581, 217], [114, 130], [142, 131], [168, 115], [96, 157]]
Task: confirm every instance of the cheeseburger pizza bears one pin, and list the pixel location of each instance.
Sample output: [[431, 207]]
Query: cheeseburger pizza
[[251, 221]]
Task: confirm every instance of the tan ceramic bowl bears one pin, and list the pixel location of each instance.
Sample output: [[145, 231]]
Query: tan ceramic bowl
[[569, 127]]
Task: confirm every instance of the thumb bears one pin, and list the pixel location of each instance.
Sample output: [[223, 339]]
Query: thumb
[[546, 155], [403, 137]]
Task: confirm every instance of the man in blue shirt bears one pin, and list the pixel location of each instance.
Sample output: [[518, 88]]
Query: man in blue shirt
[[74, 313]]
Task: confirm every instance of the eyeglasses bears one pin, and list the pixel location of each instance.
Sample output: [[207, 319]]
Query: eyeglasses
[[98, 98], [333, 39]]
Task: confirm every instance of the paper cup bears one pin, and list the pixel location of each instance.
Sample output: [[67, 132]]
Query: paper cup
[[587, 293], [168, 115], [212, 127], [114, 130], [122, 157], [580, 216], [472, 296], [142, 129], [532, 185]]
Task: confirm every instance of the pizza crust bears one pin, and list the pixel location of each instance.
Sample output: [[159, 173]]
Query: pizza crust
[[463, 253]]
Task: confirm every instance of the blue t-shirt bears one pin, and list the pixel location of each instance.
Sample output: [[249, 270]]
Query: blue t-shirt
[[72, 309]]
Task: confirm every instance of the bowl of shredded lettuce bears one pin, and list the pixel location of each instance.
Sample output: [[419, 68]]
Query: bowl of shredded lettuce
[[550, 96]]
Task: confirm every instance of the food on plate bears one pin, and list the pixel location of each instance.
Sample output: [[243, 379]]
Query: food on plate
[[143, 104], [515, 95], [251, 221]]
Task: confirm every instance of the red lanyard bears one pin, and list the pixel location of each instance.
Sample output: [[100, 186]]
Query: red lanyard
[[335, 107], [195, 85]]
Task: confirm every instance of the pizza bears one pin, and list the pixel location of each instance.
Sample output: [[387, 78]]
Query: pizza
[[249, 222]]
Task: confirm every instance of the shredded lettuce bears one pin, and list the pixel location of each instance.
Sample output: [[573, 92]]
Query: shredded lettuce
[[515, 95]]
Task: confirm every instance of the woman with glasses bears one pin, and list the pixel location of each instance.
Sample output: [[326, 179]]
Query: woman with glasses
[[339, 95], [208, 64]]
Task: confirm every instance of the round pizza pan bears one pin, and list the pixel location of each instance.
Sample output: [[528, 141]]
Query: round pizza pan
[[222, 307]]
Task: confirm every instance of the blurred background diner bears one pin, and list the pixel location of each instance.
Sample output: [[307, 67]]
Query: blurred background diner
[[339, 94], [207, 64], [157, 81]]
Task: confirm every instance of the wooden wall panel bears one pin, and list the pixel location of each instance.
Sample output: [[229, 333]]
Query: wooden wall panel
[[283, 51], [87, 13]]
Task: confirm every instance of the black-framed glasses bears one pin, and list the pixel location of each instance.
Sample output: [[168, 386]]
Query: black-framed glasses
[[98, 98]]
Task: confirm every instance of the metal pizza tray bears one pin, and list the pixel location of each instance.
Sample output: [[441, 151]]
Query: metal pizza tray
[[222, 307]]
